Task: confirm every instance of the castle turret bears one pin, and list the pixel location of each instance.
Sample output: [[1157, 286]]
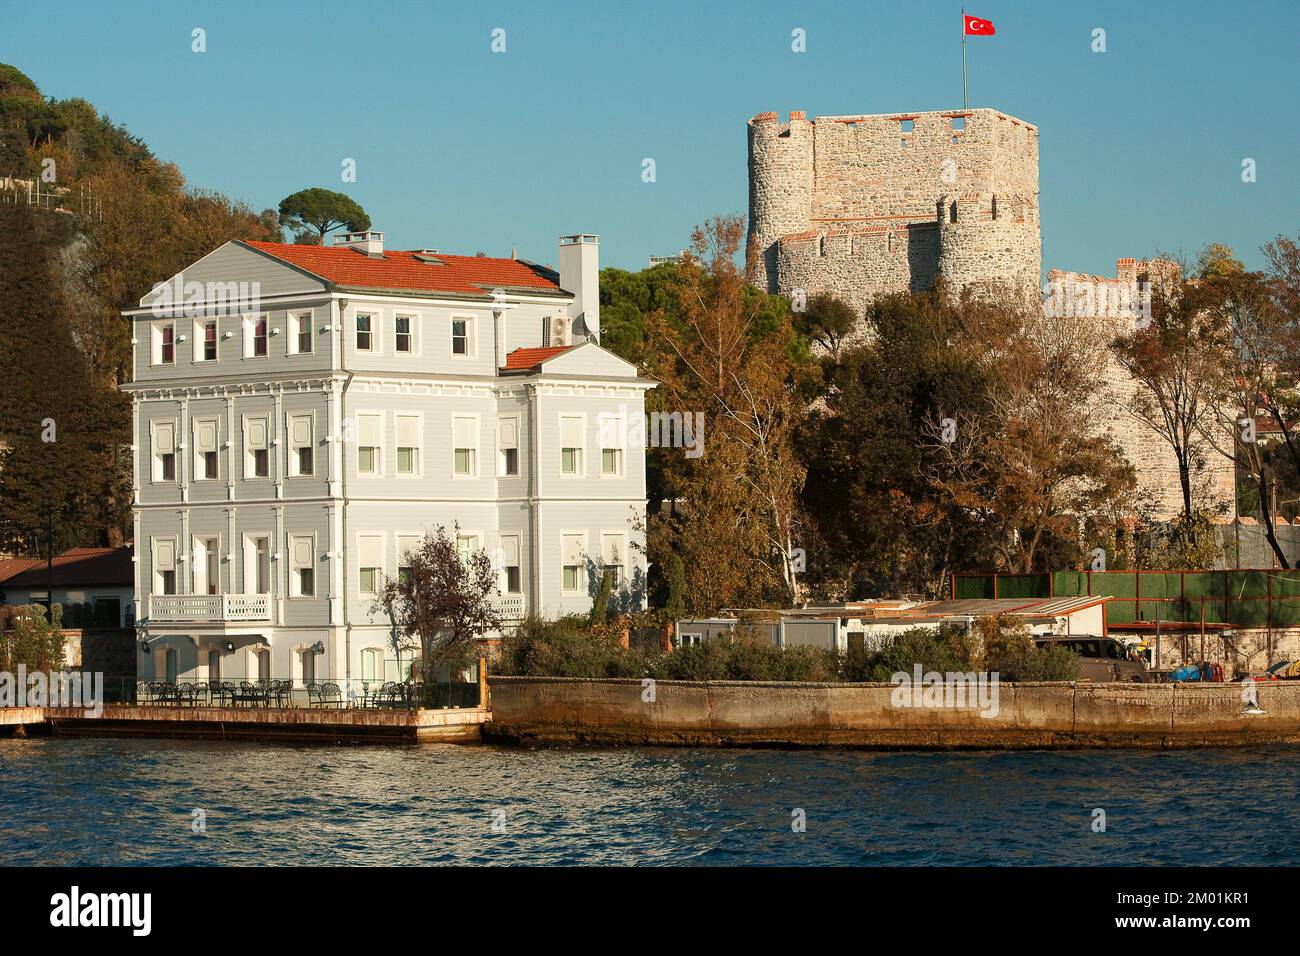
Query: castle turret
[[780, 188]]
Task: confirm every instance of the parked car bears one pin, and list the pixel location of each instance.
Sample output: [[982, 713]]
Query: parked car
[[1101, 659]]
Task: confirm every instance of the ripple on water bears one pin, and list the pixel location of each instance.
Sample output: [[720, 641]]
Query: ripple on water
[[113, 802]]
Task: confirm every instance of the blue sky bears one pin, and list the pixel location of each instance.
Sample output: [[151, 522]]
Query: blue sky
[[465, 150]]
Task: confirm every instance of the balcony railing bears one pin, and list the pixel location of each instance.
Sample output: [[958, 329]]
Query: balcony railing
[[210, 607], [511, 606]]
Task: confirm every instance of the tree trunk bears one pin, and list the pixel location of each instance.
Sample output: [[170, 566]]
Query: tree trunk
[[1266, 512]]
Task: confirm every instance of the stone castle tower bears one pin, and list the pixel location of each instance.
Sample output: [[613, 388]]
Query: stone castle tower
[[860, 206], [863, 205]]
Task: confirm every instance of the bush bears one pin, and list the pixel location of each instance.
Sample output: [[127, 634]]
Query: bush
[[941, 651], [745, 657], [1012, 653], [564, 648], [30, 640]]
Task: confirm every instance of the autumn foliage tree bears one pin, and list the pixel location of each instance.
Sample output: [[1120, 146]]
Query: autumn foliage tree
[[725, 352], [443, 599]]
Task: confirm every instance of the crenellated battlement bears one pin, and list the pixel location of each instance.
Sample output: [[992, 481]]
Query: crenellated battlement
[[965, 178]]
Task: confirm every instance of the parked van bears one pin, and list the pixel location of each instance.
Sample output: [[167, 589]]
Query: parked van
[[1101, 659]]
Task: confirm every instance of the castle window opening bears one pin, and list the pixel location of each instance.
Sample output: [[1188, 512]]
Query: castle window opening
[[902, 143], [906, 126], [952, 211], [959, 122], [821, 246]]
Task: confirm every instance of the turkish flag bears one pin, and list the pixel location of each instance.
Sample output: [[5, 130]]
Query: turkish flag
[[975, 27]]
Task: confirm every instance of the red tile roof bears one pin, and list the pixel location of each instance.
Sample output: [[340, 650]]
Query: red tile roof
[[77, 567], [477, 275], [531, 358]]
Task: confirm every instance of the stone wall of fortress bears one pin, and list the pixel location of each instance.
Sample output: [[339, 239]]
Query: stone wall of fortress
[[865, 205]]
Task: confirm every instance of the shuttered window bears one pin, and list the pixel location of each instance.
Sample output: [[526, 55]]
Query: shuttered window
[[571, 445], [508, 451], [464, 432], [302, 562], [572, 547], [205, 449], [370, 561], [164, 451], [408, 444], [257, 452], [301, 449], [510, 563], [369, 443]]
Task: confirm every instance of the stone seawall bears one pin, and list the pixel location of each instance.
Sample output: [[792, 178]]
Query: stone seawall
[[1029, 716]]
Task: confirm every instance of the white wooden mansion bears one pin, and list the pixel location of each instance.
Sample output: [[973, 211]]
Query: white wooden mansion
[[304, 414]]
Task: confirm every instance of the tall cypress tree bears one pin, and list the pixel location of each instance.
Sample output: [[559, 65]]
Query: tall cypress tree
[[48, 445]]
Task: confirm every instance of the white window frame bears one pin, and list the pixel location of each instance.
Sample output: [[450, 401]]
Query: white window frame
[[501, 456], [250, 335], [155, 462], [378, 417], [471, 336], [417, 538], [414, 334], [250, 561], [581, 469], [200, 339], [294, 345], [581, 588], [475, 539], [622, 566], [250, 459], [518, 539], [379, 543], [475, 462], [375, 654], [155, 576], [156, 342], [209, 554], [199, 462], [291, 462], [417, 470], [295, 589], [619, 423], [376, 330]]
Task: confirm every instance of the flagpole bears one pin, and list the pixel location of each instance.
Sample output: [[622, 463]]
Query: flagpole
[[965, 101]]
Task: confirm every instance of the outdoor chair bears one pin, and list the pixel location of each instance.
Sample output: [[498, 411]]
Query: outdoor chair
[[142, 695], [282, 691]]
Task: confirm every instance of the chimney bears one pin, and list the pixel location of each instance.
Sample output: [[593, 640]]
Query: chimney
[[367, 243], [580, 274]]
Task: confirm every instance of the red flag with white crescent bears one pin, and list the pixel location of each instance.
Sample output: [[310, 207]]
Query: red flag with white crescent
[[976, 27]]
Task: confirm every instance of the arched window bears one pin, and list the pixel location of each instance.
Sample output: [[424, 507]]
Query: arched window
[[372, 661]]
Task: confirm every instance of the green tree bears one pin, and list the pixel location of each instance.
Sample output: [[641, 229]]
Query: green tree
[[311, 214], [676, 606]]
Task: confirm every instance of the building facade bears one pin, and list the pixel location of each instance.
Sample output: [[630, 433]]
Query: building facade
[[304, 415]]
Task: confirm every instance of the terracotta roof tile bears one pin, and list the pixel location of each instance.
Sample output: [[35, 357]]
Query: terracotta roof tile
[[79, 567], [531, 358], [403, 270]]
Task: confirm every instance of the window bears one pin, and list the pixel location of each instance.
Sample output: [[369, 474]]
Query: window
[[205, 449], [364, 332], [301, 458], [214, 664], [262, 657], [613, 432], [208, 332], [571, 428], [164, 451], [308, 657], [164, 565], [461, 334], [257, 565], [466, 545], [689, 640], [571, 549], [464, 432], [257, 337], [371, 662], [302, 560], [369, 442], [257, 453], [302, 333], [402, 333], [207, 566], [508, 452], [408, 545], [408, 444], [371, 563], [164, 344], [612, 550], [510, 563]]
